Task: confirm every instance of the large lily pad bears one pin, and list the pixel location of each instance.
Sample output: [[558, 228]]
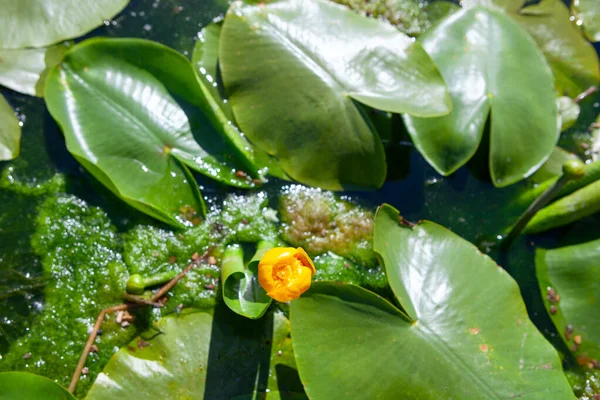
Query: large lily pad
[[38, 23], [10, 131], [463, 331], [573, 60], [492, 66], [112, 98], [293, 69], [26, 386], [573, 274], [196, 355], [588, 12], [205, 61], [24, 70]]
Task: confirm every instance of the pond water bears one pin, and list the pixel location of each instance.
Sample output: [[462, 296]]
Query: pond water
[[465, 202]]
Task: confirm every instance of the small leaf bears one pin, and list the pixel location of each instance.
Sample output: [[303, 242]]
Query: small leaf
[[26, 386], [24, 70], [463, 333], [568, 111], [553, 167], [10, 131], [242, 292], [39, 23], [507, 77], [588, 12], [313, 59], [569, 281]]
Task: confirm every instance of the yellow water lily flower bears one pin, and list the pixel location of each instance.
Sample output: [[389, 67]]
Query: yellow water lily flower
[[285, 273]]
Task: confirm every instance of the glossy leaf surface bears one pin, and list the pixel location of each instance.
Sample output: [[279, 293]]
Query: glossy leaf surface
[[119, 91], [491, 66], [205, 61], [196, 355], [24, 70], [573, 60], [242, 292], [26, 386], [10, 131], [38, 23], [463, 333], [293, 69], [568, 111], [573, 273], [588, 12]]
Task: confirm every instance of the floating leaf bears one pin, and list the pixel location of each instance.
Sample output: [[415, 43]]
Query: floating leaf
[[553, 167], [24, 70], [463, 331], [10, 131], [112, 98], [293, 69], [588, 12], [205, 61], [26, 386], [492, 66], [579, 204], [39, 23], [241, 291], [573, 60], [196, 356], [569, 280]]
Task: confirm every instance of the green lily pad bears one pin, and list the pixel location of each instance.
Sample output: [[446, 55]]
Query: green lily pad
[[26, 386], [588, 12], [39, 23], [205, 61], [573, 60], [196, 355], [10, 131], [573, 274], [242, 292], [293, 69], [462, 333], [504, 68], [24, 70], [553, 167], [112, 98]]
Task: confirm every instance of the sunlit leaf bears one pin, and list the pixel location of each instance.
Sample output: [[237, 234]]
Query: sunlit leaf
[[293, 69], [26, 386], [462, 333], [588, 12], [491, 65], [10, 131]]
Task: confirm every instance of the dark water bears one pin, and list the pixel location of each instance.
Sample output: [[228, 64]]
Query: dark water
[[465, 202]]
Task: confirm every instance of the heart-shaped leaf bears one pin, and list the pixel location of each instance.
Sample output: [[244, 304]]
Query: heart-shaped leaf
[[39, 23], [463, 333], [573, 60], [196, 356], [588, 12], [24, 70], [492, 66], [293, 69], [10, 131], [242, 292], [26, 386], [569, 280], [112, 98], [205, 61]]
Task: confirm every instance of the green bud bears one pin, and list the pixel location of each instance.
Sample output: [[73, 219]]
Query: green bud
[[136, 284], [573, 169]]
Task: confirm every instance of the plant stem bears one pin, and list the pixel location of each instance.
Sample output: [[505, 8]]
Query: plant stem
[[138, 302], [588, 92]]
